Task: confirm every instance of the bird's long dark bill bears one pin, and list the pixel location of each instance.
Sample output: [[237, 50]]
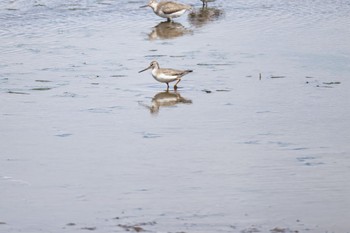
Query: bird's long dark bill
[[144, 69], [144, 6]]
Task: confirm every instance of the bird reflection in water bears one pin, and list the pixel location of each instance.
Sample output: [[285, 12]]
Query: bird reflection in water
[[202, 16], [168, 30], [165, 99]]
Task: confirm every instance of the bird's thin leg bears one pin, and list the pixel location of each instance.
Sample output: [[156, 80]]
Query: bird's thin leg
[[175, 86], [167, 86]]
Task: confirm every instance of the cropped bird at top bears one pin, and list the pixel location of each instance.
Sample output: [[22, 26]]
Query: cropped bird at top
[[166, 75], [167, 9]]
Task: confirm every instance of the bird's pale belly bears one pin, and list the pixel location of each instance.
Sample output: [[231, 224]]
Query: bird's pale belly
[[164, 78], [173, 15]]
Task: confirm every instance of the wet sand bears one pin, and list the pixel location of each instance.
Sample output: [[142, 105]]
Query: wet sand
[[256, 139]]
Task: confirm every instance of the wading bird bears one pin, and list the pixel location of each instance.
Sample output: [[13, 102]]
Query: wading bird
[[166, 75], [167, 9]]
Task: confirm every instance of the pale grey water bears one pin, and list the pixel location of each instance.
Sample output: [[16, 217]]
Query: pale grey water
[[80, 150]]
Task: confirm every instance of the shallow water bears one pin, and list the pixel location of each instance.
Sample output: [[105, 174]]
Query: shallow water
[[256, 139]]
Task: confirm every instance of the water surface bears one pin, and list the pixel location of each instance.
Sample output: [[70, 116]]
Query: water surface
[[256, 139]]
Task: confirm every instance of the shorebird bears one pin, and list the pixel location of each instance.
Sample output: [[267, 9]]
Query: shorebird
[[205, 2], [166, 75], [168, 9]]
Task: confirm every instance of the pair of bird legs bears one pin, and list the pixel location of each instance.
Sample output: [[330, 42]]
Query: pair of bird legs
[[175, 86]]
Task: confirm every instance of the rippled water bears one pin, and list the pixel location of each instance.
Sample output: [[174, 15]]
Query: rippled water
[[256, 139]]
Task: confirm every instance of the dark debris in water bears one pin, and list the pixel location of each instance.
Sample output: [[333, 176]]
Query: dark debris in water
[[300, 148], [278, 76], [318, 83], [137, 227], [207, 91], [331, 83], [223, 90], [118, 75], [155, 56], [63, 135], [178, 56], [39, 5], [218, 90], [254, 229], [150, 135], [131, 228], [309, 161], [18, 93], [2, 223], [252, 142], [250, 230], [282, 230], [78, 9], [89, 228], [324, 86], [41, 88], [42, 81], [152, 223], [71, 224]]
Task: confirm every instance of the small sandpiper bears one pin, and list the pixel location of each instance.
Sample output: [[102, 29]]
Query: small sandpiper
[[166, 75], [205, 2], [167, 9]]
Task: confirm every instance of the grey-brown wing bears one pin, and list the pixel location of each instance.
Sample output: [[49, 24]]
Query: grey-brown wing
[[171, 7], [174, 72]]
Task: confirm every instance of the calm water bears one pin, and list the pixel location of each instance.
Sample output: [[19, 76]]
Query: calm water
[[256, 139]]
